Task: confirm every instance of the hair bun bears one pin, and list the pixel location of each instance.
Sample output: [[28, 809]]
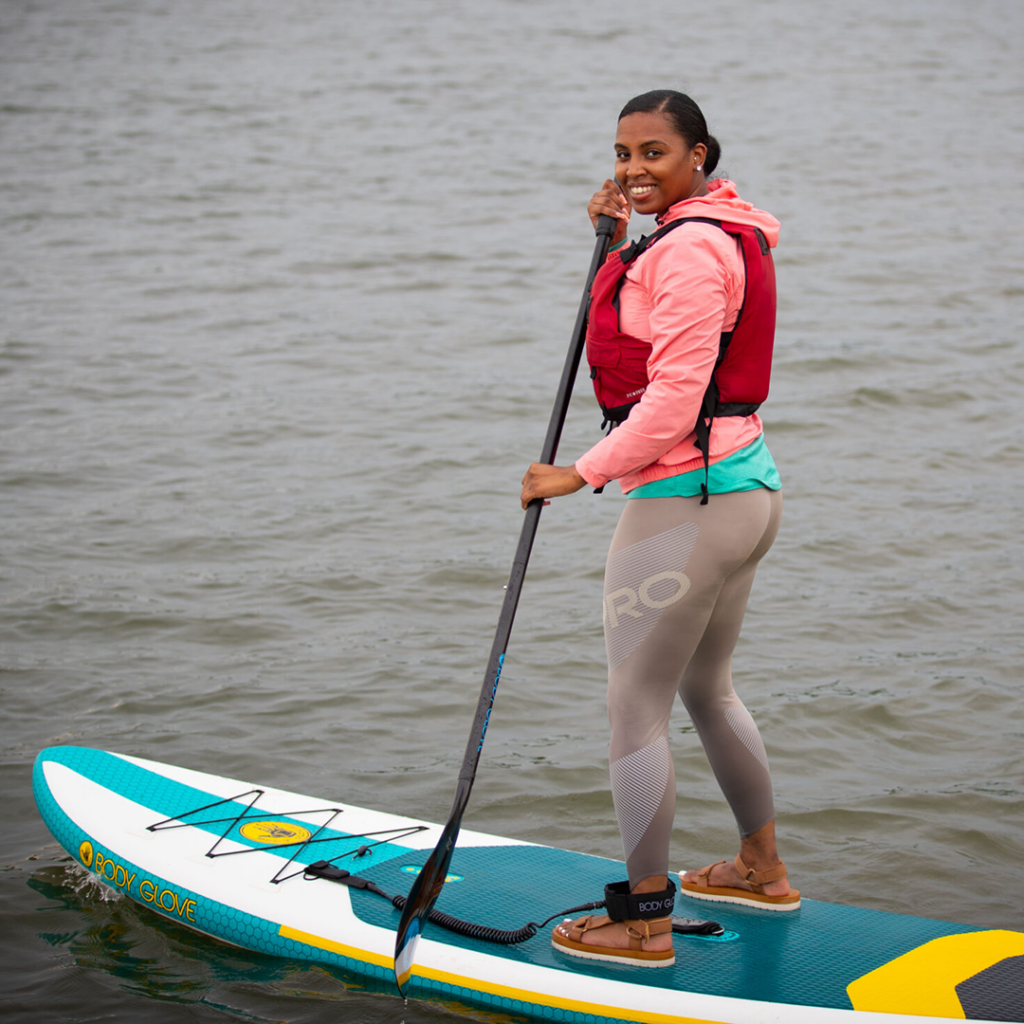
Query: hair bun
[[714, 154]]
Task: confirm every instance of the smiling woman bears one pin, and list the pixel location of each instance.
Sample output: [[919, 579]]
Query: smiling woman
[[659, 168], [680, 335]]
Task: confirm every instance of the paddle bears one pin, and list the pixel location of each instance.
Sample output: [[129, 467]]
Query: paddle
[[427, 886]]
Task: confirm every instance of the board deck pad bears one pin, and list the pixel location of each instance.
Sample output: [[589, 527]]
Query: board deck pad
[[227, 858]]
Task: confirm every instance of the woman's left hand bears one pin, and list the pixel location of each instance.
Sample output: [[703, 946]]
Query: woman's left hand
[[543, 481]]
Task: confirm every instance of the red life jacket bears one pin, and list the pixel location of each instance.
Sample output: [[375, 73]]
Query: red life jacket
[[739, 382]]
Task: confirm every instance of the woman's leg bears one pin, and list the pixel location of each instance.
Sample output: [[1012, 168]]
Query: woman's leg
[[669, 562], [676, 585], [731, 739]]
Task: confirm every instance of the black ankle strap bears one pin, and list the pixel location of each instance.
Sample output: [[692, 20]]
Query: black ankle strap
[[623, 905]]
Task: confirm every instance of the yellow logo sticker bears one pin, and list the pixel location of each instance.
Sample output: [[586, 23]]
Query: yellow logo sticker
[[415, 871], [162, 897], [276, 833]]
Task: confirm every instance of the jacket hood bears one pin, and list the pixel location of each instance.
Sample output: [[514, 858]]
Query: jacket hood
[[723, 203]]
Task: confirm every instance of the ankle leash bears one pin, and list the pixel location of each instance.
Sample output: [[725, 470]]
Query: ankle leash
[[683, 926], [622, 905]]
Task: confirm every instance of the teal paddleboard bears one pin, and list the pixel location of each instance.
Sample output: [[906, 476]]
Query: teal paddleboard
[[228, 858]]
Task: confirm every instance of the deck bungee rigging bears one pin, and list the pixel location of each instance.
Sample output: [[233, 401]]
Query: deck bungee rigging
[[243, 810]]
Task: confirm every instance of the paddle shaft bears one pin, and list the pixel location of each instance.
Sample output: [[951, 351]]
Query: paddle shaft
[[530, 522], [428, 883]]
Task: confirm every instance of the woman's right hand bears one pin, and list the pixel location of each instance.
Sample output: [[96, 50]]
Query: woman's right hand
[[612, 202]]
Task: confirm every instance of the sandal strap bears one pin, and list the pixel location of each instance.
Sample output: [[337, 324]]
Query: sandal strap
[[650, 927], [705, 873], [584, 924], [637, 938], [756, 879]]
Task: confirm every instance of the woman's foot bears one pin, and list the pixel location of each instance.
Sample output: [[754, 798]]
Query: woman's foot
[[756, 878], [727, 874], [766, 888], [643, 943], [616, 934]]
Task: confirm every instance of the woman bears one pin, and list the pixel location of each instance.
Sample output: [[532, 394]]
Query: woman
[[689, 449]]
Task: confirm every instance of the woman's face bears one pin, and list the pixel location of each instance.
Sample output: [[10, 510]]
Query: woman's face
[[655, 165]]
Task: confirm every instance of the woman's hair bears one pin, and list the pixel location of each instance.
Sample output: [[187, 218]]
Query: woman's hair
[[686, 118]]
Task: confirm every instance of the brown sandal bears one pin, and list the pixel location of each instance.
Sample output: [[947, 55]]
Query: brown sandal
[[644, 914], [752, 897], [639, 933]]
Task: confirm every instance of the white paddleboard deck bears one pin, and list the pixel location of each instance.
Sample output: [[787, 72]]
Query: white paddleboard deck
[[227, 858]]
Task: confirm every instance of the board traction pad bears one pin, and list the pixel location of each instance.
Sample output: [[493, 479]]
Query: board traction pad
[[808, 957]]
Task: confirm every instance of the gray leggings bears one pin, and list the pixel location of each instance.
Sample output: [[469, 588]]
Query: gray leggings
[[676, 587]]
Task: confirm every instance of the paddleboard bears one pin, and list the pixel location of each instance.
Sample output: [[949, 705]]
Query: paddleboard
[[228, 858]]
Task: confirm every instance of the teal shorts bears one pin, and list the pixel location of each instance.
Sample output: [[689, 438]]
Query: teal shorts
[[745, 470]]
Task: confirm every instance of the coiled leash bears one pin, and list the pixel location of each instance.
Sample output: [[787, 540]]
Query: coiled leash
[[613, 894]]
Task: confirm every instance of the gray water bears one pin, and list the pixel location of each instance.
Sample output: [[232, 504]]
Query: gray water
[[286, 293]]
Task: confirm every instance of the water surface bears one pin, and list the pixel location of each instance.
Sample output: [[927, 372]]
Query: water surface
[[286, 294]]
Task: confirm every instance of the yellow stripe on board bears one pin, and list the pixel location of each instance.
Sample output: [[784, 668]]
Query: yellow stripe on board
[[541, 999], [362, 955], [474, 985], [924, 980]]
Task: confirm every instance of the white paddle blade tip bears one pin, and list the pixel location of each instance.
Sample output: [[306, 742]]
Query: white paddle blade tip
[[406, 956]]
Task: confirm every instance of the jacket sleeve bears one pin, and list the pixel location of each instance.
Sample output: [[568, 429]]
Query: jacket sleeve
[[688, 279]]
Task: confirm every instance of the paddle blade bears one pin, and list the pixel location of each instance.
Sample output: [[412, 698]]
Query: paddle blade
[[405, 955], [422, 896]]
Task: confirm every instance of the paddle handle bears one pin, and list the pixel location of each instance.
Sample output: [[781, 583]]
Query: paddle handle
[[605, 230]]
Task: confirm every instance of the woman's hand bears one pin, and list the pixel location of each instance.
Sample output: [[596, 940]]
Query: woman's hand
[[612, 202], [543, 481]]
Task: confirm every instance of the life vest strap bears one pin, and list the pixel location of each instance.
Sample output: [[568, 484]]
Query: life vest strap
[[710, 408]]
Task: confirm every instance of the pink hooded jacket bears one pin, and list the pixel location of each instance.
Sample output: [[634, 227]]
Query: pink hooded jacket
[[680, 295]]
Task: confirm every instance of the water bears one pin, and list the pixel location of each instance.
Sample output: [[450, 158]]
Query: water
[[286, 293]]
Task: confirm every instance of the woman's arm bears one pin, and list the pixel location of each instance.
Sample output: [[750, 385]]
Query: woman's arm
[[543, 481], [612, 202]]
